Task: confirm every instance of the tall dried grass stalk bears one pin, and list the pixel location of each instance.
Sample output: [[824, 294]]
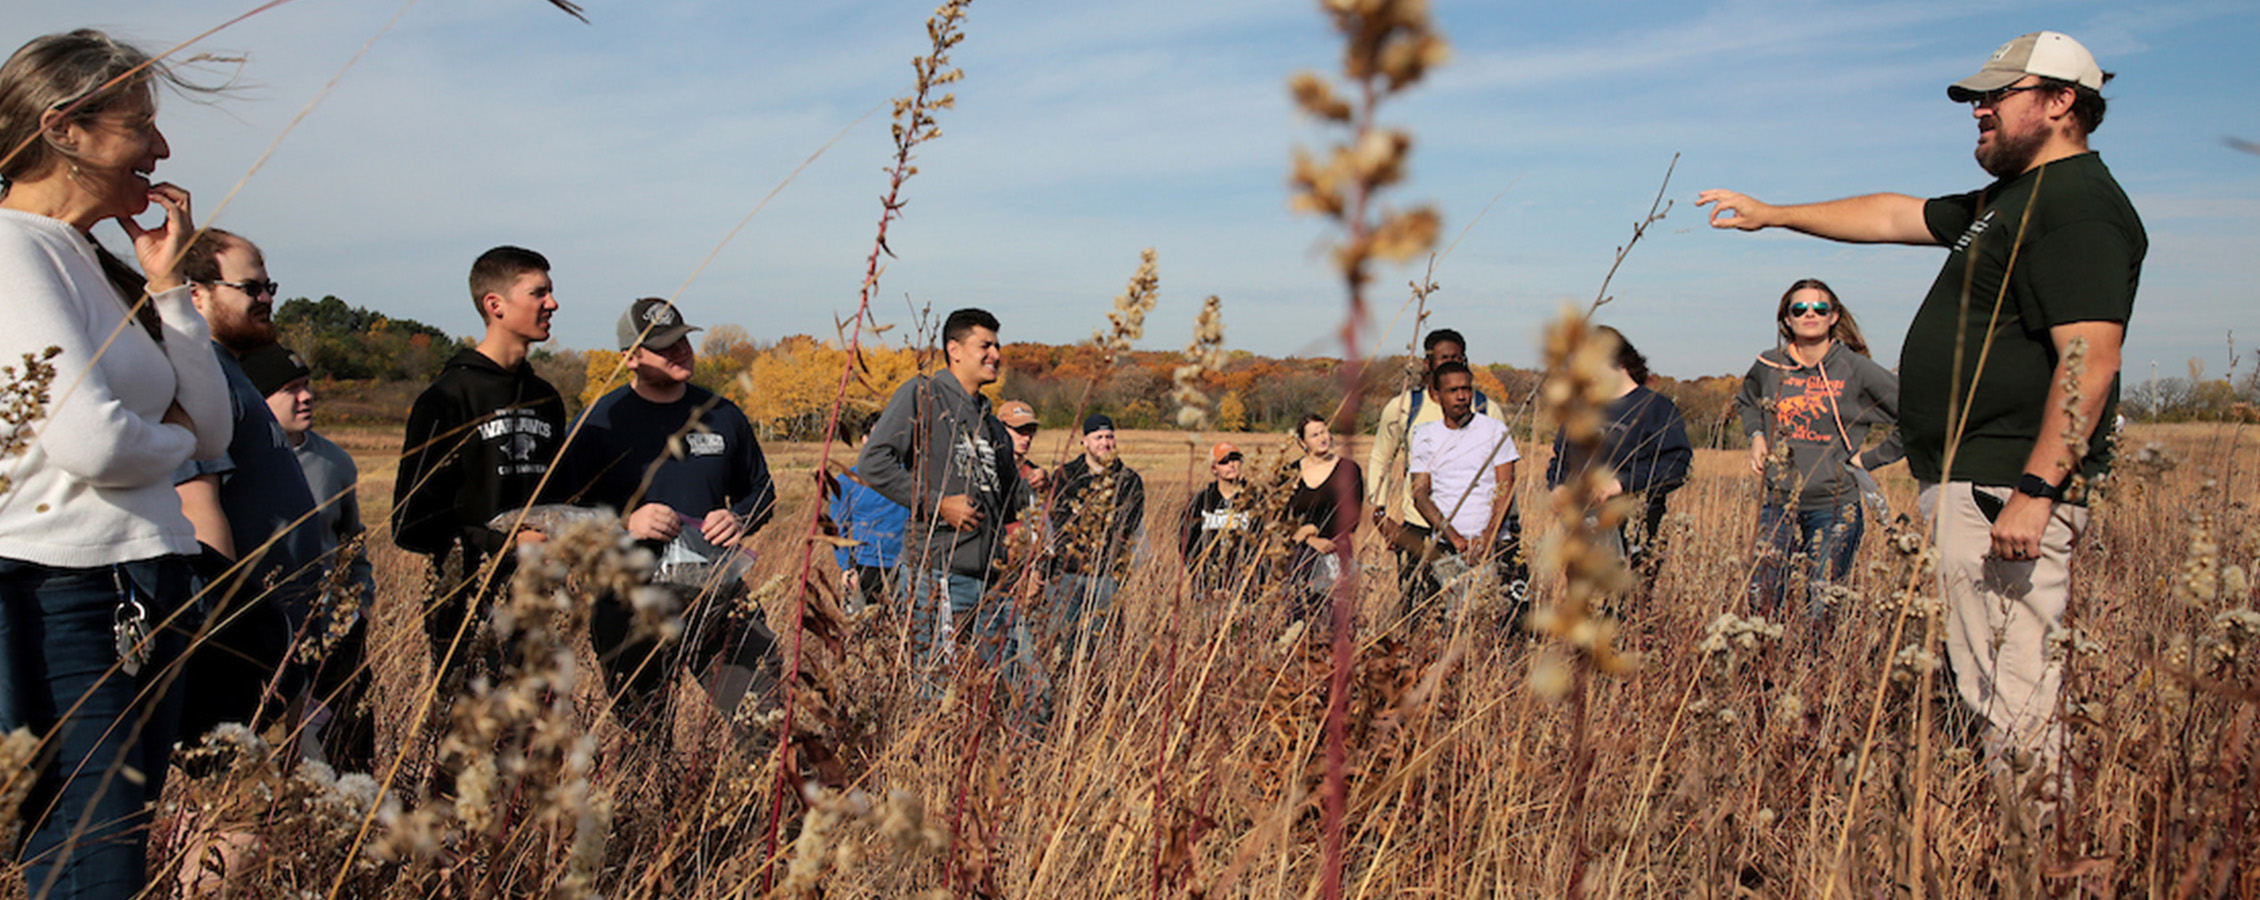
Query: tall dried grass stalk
[[1657, 209], [1388, 45], [1126, 322], [913, 125], [1204, 355], [1578, 388]]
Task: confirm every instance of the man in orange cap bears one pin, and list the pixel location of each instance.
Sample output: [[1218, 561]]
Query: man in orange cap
[[1214, 529]]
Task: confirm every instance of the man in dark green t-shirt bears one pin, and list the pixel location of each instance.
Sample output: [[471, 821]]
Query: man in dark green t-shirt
[[2009, 364]]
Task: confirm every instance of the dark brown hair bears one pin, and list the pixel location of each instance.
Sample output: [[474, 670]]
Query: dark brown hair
[[495, 269], [1628, 358], [201, 264]]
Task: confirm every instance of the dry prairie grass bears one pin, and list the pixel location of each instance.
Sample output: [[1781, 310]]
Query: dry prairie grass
[[1181, 754], [1725, 771]]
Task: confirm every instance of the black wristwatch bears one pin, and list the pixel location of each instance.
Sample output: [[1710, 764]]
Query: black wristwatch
[[2035, 486]]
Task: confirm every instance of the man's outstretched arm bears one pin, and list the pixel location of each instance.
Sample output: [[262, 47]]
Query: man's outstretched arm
[[1869, 219]]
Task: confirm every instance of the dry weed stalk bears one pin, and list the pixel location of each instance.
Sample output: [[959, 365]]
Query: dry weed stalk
[[516, 739], [1126, 322], [24, 396], [1388, 45], [913, 124], [1578, 388], [1205, 354], [1657, 209], [827, 847], [19, 767]]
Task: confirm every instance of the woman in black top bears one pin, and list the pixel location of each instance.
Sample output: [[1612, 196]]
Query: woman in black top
[[1328, 501]]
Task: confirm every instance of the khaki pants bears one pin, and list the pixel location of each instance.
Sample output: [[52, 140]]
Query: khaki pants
[[1999, 617]]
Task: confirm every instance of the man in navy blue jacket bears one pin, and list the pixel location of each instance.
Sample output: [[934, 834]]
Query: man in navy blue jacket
[[682, 468]]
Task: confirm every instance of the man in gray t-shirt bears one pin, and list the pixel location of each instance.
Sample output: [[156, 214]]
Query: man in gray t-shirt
[[345, 732]]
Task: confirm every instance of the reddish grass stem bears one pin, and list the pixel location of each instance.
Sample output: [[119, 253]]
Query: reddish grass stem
[[943, 31]]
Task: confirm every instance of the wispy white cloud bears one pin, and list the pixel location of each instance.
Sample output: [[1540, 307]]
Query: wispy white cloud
[[627, 148]]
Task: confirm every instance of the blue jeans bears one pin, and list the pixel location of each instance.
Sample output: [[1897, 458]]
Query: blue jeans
[[108, 735], [974, 614], [1077, 603], [1803, 551]]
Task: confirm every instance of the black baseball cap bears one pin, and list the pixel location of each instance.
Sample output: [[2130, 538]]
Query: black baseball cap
[[272, 366], [652, 322]]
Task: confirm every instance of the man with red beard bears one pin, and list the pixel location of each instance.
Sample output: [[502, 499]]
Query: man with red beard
[[262, 570], [2038, 285]]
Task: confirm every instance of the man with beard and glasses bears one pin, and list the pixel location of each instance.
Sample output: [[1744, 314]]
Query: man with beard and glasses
[[251, 506], [2038, 285]]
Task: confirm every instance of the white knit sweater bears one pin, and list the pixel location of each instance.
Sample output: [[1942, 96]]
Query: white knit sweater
[[96, 485]]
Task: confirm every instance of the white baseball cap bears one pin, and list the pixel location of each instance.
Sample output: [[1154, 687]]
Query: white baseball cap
[[2047, 54]]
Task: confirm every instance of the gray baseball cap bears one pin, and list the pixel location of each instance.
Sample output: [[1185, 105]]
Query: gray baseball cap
[[654, 323], [2047, 54]]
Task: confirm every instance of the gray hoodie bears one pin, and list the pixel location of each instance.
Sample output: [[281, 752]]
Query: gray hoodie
[[1823, 413], [935, 440]]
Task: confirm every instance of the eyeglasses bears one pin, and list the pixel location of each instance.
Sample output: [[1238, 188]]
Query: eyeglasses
[[1028, 429], [254, 287], [1800, 308], [1997, 95]]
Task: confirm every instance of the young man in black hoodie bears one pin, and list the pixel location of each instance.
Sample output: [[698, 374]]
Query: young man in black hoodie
[[480, 442]]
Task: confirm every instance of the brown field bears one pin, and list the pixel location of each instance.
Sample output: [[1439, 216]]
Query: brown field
[[1182, 756]]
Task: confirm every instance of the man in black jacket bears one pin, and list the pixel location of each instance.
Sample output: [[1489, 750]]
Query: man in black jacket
[[1098, 516], [480, 442]]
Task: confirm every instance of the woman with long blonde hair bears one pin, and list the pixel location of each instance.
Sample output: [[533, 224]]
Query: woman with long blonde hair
[[1807, 405]]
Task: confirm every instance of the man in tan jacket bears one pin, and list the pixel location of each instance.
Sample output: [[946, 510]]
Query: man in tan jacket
[[1386, 482]]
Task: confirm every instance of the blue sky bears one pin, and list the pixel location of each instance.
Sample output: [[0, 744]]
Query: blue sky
[[628, 148]]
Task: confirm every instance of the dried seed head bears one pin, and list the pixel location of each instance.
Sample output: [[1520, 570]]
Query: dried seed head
[[1205, 354], [1127, 322]]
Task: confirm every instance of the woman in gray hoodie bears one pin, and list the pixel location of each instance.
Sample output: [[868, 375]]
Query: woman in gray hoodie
[[1807, 406]]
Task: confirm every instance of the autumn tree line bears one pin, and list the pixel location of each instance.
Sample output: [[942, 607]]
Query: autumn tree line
[[372, 364]]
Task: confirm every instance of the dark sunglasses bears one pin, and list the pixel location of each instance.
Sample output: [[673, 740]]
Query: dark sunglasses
[[1229, 458], [1996, 96], [1819, 309], [254, 287], [1028, 429]]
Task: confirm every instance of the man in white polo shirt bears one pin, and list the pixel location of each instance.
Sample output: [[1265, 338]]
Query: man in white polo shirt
[[1463, 480]]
